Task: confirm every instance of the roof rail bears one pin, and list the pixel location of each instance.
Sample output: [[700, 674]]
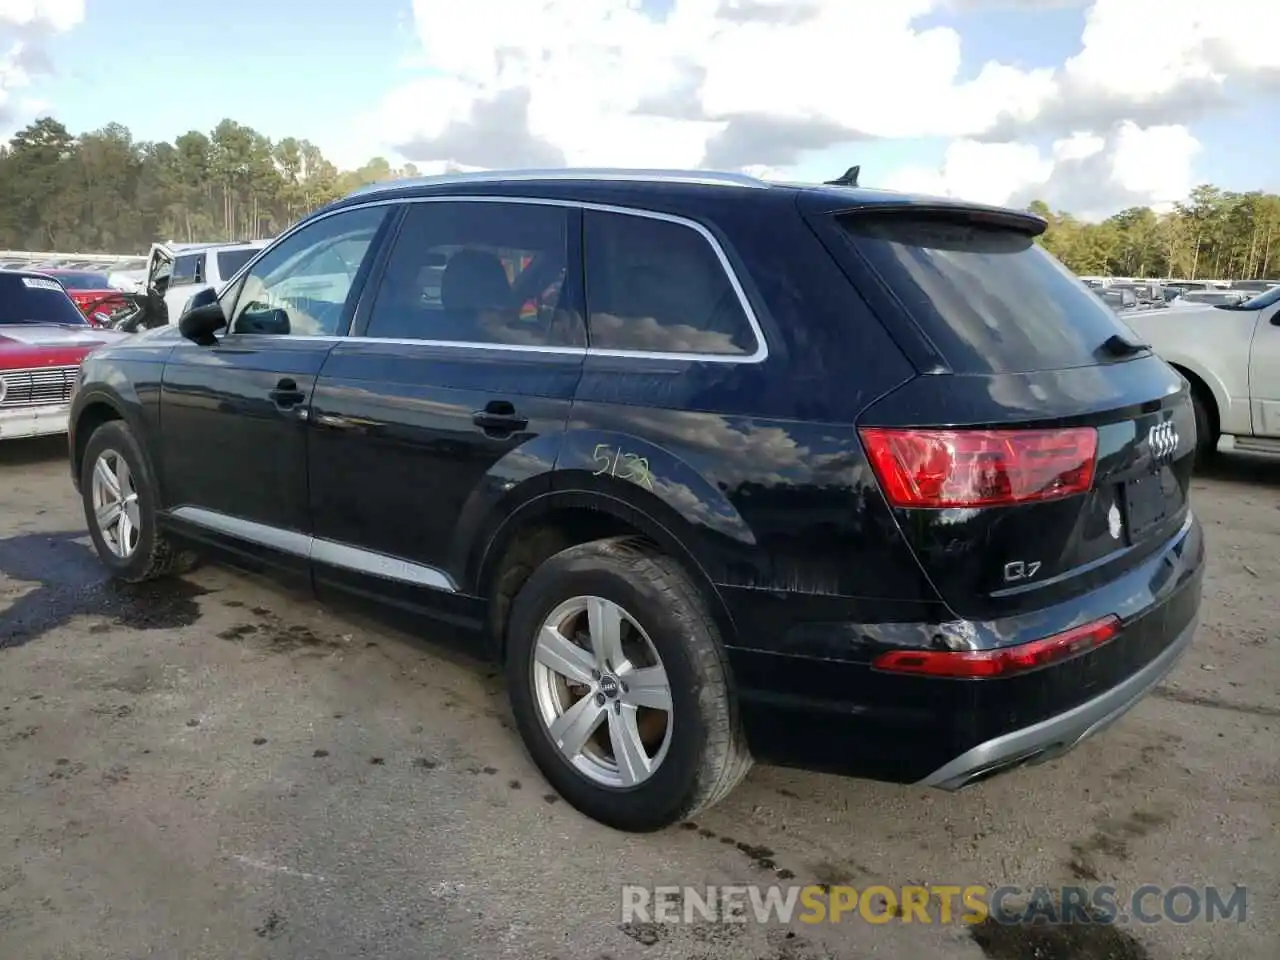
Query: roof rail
[[643, 175]]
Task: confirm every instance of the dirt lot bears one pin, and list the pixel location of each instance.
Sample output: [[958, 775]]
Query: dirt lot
[[213, 768]]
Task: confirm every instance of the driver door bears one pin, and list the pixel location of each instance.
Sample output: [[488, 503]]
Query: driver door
[[234, 414]]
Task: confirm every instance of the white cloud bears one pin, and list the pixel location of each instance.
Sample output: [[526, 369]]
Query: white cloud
[[758, 83], [1090, 175], [605, 83], [24, 25]]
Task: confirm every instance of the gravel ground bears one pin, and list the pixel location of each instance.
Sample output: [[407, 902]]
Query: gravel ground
[[214, 768]]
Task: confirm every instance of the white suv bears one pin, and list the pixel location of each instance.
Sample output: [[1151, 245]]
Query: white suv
[[181, 270], [1230, 353]]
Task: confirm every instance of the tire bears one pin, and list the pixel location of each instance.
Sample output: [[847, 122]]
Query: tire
[[704, 753], [1206, 435], [150, 555]]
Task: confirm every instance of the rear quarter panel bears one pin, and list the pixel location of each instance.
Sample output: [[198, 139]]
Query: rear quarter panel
[[756, 467]]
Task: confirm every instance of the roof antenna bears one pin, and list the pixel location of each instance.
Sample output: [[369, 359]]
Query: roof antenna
[[848, 179]]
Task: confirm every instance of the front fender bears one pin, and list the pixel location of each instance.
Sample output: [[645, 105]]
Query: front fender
[[124, 380], [95, 405]]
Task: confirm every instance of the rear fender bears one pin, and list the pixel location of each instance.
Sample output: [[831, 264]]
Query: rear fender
[[634, 481]]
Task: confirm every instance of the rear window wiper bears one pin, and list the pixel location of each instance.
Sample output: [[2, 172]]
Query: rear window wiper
[[1117, 345]]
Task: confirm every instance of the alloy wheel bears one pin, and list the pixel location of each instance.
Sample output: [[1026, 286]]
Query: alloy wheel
[[602, 692], [115, 504]]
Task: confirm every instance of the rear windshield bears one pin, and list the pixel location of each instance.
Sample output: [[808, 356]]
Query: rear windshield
[[82, 280], [989, 297], [229, 261], [27, 299]]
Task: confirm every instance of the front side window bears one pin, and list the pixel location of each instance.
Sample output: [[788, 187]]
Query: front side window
[[478, 272], [301, 285], [657, 286]]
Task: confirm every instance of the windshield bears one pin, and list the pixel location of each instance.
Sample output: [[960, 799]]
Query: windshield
[[27, 299], [229, 261], [82, 280], [989, 297]]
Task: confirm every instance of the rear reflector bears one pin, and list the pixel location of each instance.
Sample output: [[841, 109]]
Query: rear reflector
[[1004, 661], [980, 468]]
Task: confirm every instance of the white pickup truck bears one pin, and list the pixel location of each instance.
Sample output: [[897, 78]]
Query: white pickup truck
[[1230, 353]]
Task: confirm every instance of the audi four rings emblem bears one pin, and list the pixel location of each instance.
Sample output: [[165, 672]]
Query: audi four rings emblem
[[1163, 440]]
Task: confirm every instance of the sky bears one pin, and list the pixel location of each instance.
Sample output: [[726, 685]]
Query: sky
[[1090, 105]]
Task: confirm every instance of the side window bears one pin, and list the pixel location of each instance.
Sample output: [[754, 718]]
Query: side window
[[658, 286], [472, 272], [300, 286], [186, 270]]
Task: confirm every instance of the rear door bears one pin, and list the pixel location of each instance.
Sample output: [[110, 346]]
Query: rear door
[[1044, 450], [455, 387]]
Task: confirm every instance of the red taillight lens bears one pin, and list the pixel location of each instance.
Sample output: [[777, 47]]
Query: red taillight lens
[[1004, 661], [980, 468]]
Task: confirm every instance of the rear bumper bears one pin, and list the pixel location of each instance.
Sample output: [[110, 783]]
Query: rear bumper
[[809, 697], [40, 421], [1055, 736]]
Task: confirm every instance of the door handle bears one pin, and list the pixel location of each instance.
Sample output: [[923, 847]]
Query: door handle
[[499, 418], [287, 394]]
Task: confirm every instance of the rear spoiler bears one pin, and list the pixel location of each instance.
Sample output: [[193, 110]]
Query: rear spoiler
[[835, 203]]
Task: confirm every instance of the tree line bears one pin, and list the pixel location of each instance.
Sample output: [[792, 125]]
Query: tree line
[[105, 192], [1215, 234]]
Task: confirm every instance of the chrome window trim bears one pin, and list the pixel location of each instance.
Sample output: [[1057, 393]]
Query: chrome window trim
[[309, 547], [759, 355]]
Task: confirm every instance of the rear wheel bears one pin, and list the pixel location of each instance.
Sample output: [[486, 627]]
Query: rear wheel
[[119, 497], [620, 687]]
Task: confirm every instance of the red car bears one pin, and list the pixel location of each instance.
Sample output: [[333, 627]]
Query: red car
[[43, 338], [91, 292]]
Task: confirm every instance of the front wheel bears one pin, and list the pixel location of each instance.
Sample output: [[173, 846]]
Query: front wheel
[[620, 687], [1206, 435], [119, 496]]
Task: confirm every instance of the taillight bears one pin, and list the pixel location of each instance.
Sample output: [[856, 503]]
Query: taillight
[[980, 468], [1002, 661]]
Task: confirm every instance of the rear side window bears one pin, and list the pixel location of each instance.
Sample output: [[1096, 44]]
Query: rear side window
[[657, 286], [478, 273], [25, 299], [990, 298], [229, 261]]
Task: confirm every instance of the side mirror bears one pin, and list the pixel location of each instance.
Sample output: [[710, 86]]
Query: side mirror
[[199, 324], [203, 298]]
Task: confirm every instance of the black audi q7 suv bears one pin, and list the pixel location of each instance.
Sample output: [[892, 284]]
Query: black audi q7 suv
[[721, 470]]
